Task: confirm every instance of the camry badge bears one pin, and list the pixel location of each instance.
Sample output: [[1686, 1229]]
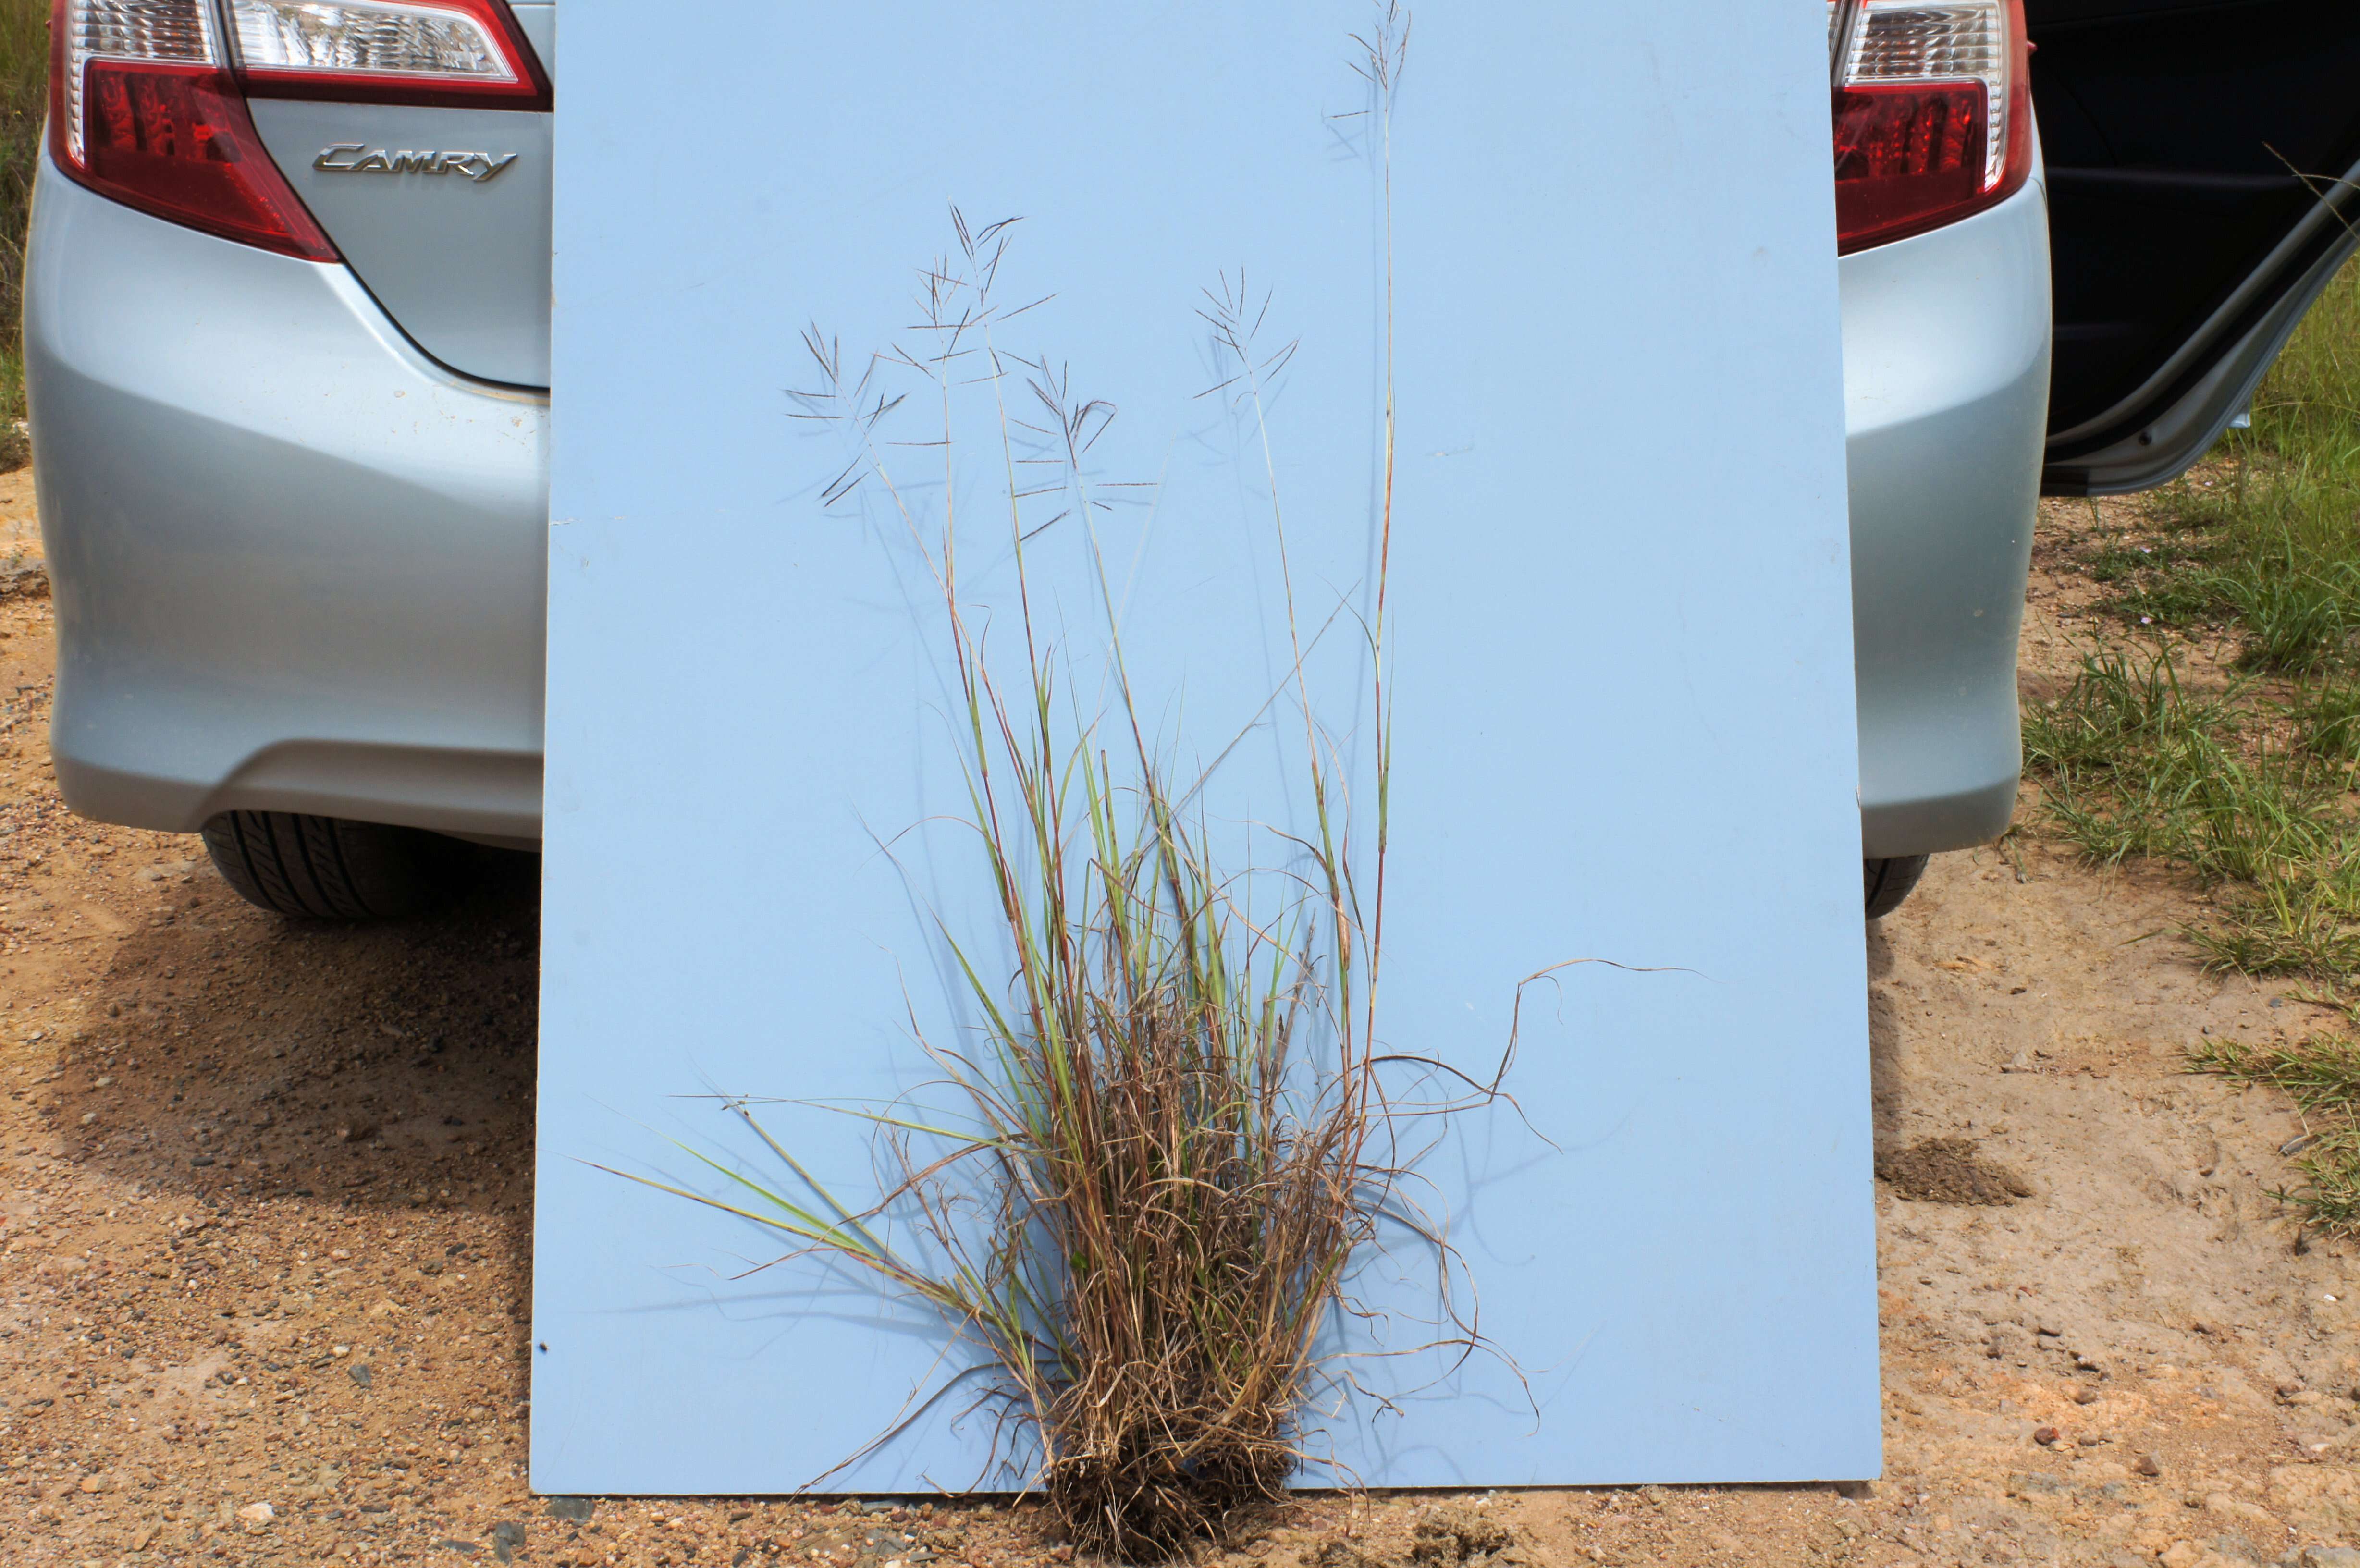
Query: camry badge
[[358, 158]]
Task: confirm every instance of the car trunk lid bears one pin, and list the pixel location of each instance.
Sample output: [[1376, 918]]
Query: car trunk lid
[[442, 213]]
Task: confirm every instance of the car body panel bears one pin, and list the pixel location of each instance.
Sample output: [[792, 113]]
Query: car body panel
[[1946, 393], [537, 19], [321, 587], [297, 564], [460, 262]]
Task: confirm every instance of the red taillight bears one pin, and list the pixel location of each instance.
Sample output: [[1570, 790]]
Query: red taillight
[[1933, 115], [147, 100], [142, 110], [176, 141]]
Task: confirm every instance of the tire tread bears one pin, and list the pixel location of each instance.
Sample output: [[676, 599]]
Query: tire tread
[[1889, 881], [326, 868]]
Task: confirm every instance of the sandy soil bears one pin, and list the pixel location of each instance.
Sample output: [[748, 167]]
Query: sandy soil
[[264, 1193]]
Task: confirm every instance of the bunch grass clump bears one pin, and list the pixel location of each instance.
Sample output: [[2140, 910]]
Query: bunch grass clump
[[1140, 1192], [2135, 766], [1165, 1141]]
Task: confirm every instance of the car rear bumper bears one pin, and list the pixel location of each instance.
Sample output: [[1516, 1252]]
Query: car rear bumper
[[1946, 393], [299, 566]]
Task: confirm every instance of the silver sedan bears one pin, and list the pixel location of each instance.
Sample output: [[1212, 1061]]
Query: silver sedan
[[287, 342]]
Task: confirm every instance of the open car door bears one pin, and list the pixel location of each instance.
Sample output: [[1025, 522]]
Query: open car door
[[2201, 157]]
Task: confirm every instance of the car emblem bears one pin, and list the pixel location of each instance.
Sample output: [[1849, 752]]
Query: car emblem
[[358, 158]]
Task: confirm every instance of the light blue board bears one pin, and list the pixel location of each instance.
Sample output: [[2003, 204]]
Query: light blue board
[[1620, 644]]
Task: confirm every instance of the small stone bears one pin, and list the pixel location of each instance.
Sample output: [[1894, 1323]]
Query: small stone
[[576, 1510], [258, 1513], [359, 1371], [2045, 1435], [2085, 1394], [2145, 1465], [92, 1486], [2008, 1341], [143, 1536]]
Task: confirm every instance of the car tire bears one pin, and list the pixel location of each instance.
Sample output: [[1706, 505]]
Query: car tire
[[1889, 881], [326, 868]]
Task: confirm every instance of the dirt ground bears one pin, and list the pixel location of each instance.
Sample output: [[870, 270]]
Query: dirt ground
[[264, 1242]]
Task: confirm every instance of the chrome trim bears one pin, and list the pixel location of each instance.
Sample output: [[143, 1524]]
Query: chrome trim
[[479, 166]]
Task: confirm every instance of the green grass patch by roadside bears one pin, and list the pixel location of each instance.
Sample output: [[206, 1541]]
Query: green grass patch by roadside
[[24, 94], [2252, 784], [2135, 766], [2265, 539], [2323, 1077]]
